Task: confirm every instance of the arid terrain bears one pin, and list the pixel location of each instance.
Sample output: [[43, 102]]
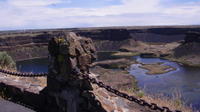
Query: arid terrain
[[166, 42]]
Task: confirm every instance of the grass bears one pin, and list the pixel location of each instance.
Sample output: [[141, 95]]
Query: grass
[[174, 103]]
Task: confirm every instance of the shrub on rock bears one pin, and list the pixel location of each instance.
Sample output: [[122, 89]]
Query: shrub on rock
[[6, 61]]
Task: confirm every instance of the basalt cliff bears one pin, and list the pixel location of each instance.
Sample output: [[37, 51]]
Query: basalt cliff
[[33, 43], [188, 51]]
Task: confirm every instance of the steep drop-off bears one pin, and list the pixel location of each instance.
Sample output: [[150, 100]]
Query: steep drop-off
[[33, 43], [25, 46], [188, 51]]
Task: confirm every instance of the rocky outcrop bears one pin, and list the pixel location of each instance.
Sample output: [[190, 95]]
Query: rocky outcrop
[[191, 45], [192, 37], [188, 52], [69, 55]]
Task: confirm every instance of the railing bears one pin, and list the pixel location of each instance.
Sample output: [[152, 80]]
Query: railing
[[141, 102]]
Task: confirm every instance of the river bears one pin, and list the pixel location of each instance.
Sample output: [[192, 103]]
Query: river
[[183, 82]]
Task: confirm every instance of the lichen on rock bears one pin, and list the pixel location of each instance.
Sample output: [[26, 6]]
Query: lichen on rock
[[69, 53]]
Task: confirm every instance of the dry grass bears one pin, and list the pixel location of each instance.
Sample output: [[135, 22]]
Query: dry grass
[[173, 103]]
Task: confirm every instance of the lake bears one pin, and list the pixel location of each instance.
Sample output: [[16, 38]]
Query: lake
[[184, 80], [33, 65]]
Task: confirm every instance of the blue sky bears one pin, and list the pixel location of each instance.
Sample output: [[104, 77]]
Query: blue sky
[[38, 14]]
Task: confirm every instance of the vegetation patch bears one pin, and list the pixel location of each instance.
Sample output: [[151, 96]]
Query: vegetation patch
[[6, 61], [157, 68]]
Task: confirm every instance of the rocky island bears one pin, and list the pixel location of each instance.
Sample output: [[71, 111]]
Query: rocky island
[[157, 68]]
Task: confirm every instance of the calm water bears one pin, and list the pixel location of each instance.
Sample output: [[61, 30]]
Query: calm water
[[184, 80], [33, 65]]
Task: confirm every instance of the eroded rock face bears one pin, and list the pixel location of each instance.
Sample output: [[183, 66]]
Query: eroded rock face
[[188, 52], [192, 37], [69, 53], [106, 34], [73, 51]]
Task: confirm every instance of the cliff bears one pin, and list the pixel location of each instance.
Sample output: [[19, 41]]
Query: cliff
[[30, 45], [188, 51], [33, 43]]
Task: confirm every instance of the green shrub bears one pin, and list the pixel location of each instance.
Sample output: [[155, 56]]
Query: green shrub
[[6, 61], [140, 94]]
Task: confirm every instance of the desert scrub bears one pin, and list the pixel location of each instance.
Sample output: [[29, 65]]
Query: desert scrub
[[6, 61]]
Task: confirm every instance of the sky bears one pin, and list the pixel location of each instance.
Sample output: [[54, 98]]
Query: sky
[[41, 14]]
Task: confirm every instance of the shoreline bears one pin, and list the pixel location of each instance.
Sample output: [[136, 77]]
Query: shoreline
[[41, 57], [172, 59], [114, 78]]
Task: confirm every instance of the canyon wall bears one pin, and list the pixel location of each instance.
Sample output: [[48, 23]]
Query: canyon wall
[[25, 46], [188, 52], [190, 45], [33, 43]]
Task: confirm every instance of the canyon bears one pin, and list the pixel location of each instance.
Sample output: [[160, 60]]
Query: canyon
[[169, 42], [28, 44]]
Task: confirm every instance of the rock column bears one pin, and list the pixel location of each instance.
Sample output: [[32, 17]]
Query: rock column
[[68, 92]]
